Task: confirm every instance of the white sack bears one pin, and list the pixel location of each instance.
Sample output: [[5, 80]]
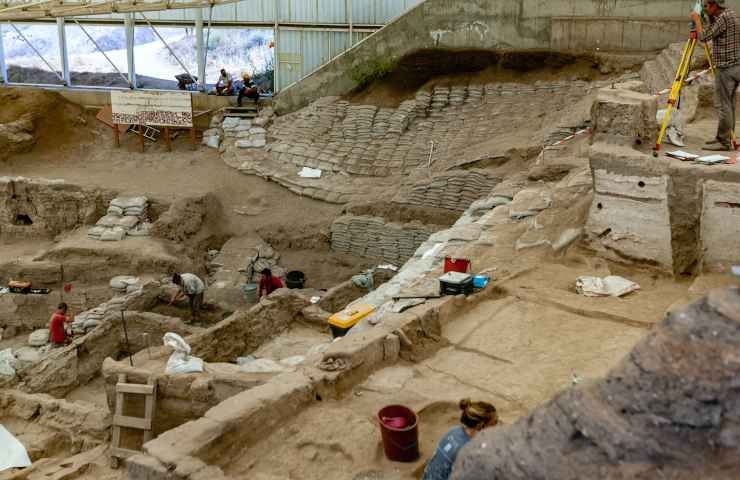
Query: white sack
[[611, 286], [180, 361]]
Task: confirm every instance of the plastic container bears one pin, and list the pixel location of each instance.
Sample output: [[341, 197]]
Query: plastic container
[[250, 292], [341, 322], [455, 283], [400, 432], [480, 281], [461, 265], [295, 279]]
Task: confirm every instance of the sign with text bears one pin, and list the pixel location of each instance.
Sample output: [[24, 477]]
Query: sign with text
[[164, 109]]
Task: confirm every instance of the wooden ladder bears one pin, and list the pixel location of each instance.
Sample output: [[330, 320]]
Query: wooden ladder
[[120, 420]]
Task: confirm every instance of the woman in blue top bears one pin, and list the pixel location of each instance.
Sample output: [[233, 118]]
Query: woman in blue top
[[475, 417]]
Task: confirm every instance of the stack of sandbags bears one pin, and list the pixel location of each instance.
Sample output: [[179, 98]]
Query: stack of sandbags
[[124, 284], [125, 216], [86, 321]]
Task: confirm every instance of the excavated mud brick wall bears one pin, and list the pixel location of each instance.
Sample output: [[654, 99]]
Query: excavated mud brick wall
[[337, 136], [374, 237], [64, 369], [33, 208], [681, 217], [79, 426]]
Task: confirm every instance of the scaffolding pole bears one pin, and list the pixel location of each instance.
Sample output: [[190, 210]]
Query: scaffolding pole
[[351, 25], [199, 49], [275, 47], [3, 67], [182, 65], [208, 43], [23, 37], [101, 51], [63, 54], [129, 26]]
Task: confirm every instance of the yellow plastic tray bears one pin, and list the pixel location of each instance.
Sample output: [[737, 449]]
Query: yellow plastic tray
[[348, 317]]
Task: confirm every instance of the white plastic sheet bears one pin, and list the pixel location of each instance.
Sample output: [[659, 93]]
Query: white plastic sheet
[[307, 172], [12, 454], [611, 286]]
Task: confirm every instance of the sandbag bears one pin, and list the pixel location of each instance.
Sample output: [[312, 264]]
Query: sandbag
[[128, 202]]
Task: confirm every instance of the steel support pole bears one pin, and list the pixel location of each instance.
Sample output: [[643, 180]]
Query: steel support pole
[[63, 57], [3, 67], [276, 50], [156, 32], [23, 37], [199, 52], [208, 43], [101, 51], [129, 26], [351, 25]]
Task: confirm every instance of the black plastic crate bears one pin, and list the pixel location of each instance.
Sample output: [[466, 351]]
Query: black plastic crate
[[448, 288]]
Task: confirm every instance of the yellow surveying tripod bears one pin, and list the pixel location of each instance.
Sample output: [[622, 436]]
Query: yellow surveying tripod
[[683, 70]]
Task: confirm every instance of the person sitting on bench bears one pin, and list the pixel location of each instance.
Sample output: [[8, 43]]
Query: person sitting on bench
[[248, 90], [224, 84]]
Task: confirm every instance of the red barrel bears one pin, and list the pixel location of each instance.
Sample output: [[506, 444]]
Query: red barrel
[[456, 265], [400, 432]]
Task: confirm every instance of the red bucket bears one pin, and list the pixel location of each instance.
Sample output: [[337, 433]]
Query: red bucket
[[461, 265], [400, 432]]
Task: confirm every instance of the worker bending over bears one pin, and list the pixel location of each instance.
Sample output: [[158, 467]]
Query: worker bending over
[[192, 287], [724, 33], [57, 332], [269, 283]]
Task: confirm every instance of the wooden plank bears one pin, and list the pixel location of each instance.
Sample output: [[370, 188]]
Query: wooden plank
[[139, 389], [149, 408], [242, 115], [132, 422], [123, 452], [116, 437]]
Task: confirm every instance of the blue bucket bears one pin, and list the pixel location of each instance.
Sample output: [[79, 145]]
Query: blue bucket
[[480, 281]]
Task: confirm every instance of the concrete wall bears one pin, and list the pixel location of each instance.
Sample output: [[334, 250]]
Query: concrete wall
[[624, 25]]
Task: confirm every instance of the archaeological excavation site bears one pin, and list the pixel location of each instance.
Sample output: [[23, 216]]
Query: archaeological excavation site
[[368, 240]]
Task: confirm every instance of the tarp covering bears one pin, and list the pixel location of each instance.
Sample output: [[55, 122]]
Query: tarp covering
[[12, 454]]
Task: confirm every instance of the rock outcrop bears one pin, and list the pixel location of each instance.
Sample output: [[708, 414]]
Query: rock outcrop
[[671, 409]]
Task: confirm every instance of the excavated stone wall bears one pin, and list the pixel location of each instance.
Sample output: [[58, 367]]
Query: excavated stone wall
[[669, 410], [37, 208], [375, 237]]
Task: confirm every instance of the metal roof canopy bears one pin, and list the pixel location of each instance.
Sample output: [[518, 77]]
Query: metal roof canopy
[[307, 33]]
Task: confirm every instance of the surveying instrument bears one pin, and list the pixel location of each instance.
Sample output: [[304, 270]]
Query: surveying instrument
[[681, 73]]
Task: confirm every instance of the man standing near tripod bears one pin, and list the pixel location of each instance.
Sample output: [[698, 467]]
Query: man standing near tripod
[[724, 33]]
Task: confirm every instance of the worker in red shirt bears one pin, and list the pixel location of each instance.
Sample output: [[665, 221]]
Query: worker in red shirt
[[268, 283], [57, 334]]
